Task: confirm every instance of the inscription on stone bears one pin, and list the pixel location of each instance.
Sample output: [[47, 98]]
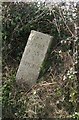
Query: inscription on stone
[[33, 57]]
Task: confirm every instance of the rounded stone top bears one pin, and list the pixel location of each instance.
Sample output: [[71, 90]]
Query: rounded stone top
[[43, 34]]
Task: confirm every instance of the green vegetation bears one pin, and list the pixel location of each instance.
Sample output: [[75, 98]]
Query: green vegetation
[[56, 94]]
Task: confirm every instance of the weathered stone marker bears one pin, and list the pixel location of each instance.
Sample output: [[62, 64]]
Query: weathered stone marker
[[33, 57]]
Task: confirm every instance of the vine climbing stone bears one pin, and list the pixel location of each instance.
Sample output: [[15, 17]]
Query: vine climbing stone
[[33, 57]]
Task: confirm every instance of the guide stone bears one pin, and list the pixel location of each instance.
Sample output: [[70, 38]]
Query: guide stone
[[33, 57]]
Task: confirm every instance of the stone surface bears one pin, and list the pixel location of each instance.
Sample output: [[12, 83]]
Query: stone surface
[[33, 57]]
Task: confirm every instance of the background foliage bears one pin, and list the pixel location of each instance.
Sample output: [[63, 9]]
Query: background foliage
[[59, 71]]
